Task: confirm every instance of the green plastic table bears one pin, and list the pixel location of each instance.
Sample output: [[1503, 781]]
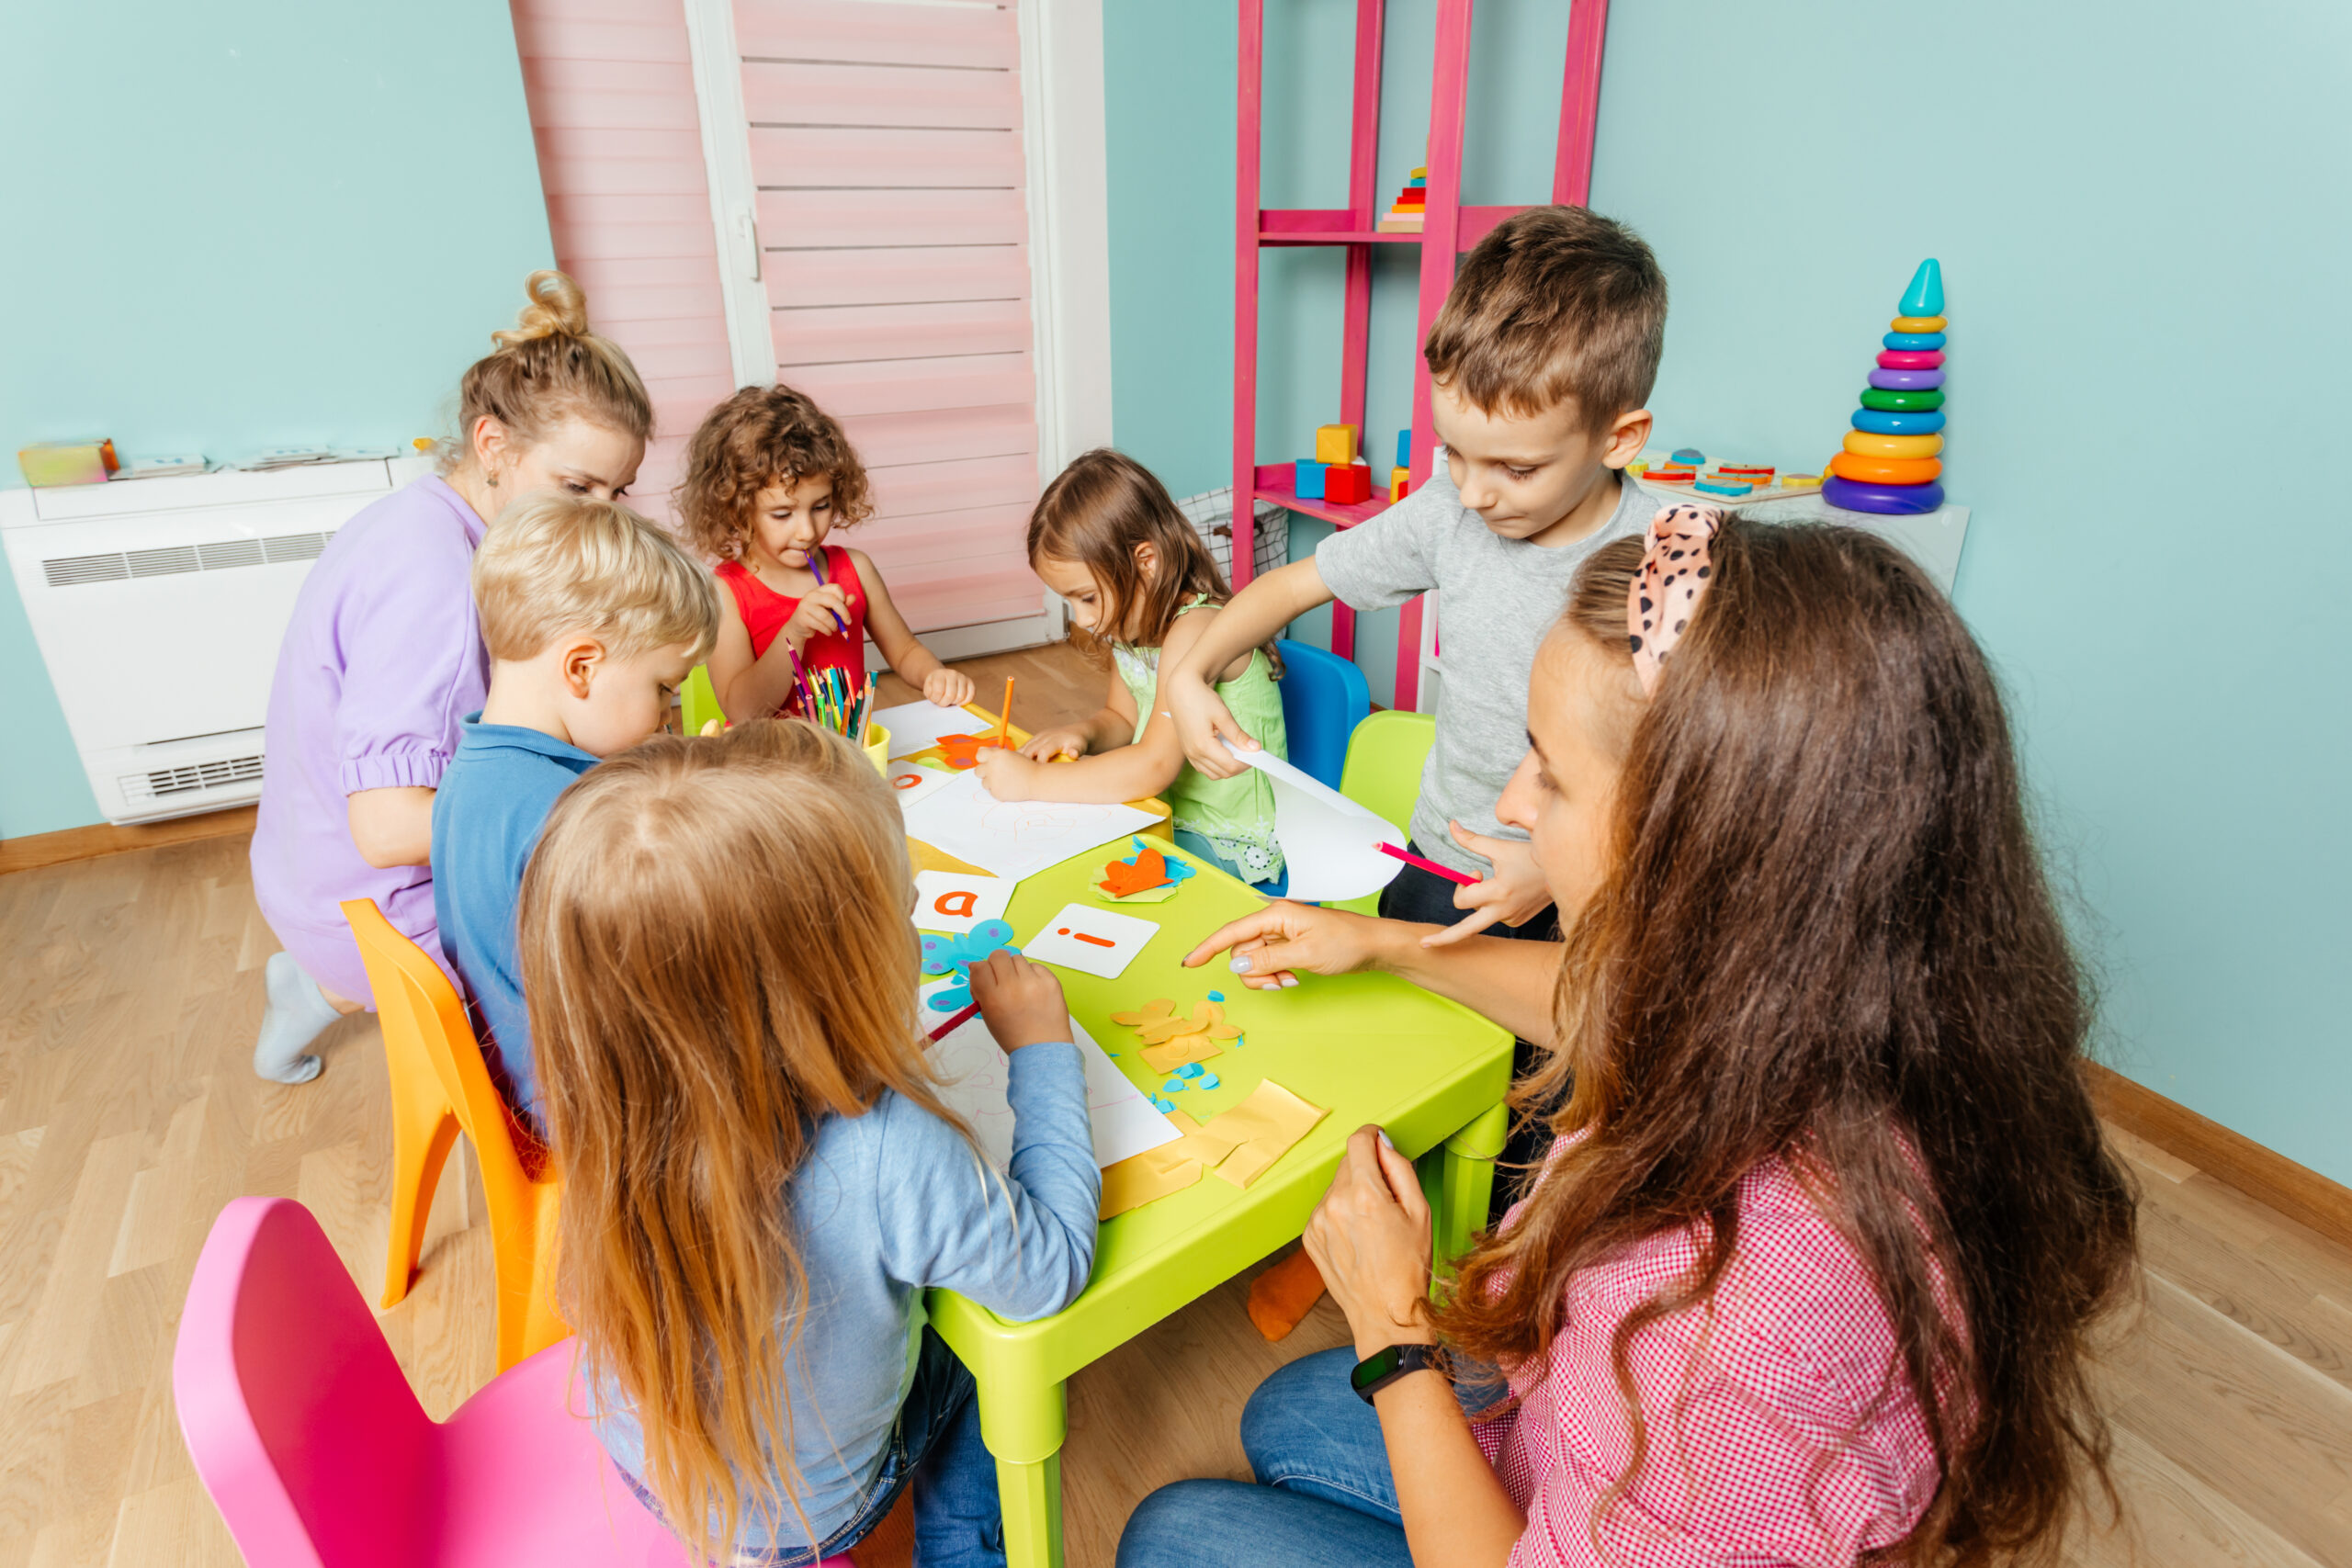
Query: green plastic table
[[1371, 1047]]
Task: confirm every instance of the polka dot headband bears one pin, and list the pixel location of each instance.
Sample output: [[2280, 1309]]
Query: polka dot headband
[[1665, 595]]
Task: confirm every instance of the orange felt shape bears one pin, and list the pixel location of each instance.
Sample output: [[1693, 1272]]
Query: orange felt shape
[[1280, 1297], [1149, 870], [962, 752], [1886, 470]]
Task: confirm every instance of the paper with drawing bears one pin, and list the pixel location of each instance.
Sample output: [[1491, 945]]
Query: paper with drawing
[[975, 1066], [1331, 844], [1014, 837]]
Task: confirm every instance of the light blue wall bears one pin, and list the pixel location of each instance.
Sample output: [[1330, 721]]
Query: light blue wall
[[2142, 219], [243, 225]]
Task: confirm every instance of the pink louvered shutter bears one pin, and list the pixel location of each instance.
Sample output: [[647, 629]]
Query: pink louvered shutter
[[885, 143], [611, 99]]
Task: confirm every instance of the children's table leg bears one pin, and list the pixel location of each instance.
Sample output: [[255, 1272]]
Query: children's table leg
[[1467, 1186], [1023, 1428]]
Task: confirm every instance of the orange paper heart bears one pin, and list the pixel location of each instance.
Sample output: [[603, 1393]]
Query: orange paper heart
[[1149, 870]]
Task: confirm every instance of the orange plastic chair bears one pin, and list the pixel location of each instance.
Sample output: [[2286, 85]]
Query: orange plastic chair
[[440, 1088]]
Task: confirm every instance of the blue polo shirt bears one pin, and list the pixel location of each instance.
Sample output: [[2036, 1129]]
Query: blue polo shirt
[[486, 817]]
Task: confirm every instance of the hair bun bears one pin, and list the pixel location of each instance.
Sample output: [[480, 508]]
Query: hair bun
[[557, 306]]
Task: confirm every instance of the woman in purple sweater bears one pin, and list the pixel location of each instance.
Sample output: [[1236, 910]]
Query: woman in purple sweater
[[383, 658]]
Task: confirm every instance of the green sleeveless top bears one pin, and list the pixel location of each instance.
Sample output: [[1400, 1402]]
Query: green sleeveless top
[[1235, 815]]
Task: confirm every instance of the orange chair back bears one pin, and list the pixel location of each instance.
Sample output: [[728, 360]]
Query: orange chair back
[[441, 1085]]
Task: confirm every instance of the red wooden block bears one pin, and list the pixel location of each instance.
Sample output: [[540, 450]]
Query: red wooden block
[[1348, 485]]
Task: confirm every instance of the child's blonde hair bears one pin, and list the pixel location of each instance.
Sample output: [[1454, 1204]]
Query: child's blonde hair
[[763, 436], [716, 955], [547, 366], [557, 563], [1096, 514]]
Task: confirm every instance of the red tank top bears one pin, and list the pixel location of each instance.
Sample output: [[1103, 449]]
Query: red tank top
[[765, 611]]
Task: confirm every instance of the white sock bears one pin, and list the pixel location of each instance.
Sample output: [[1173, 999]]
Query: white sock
[[298, 1013]]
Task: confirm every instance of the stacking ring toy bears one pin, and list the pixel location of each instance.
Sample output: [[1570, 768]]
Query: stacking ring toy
[[1887, 500], [1878, 424], [1886, 470], [1864, 444], [1916, 324], [1726, 486], [1913, 340], [1910, 359], [1907, 380], [1901, 402]]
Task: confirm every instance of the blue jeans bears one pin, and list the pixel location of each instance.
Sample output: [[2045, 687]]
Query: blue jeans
[[1324, 1498], [937, 1449]]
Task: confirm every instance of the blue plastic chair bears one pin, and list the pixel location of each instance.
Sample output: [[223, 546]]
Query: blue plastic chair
[[1324, 698]]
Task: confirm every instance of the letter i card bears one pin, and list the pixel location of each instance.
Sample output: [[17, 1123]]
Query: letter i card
[[946, 902], [1098, 942]]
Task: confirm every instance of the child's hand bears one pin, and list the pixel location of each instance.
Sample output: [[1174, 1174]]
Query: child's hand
[[1046, 745], [947, 688], [824, 608], [1007, 774], [1200, 717], [1513, 893], [1021, 1002]]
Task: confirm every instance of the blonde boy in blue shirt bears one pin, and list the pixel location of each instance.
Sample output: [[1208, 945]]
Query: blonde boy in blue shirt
[[592, 616]]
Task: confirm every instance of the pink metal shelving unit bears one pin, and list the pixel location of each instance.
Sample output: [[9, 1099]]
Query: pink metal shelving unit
[[1448, 230]]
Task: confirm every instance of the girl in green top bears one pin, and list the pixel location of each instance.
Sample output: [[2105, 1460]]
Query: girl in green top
[[1142, 588]]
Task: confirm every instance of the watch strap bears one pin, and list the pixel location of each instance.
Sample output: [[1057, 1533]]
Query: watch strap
[[1383, 1367]]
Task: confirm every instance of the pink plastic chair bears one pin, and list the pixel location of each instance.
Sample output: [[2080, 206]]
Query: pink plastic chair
[[318, 1456]]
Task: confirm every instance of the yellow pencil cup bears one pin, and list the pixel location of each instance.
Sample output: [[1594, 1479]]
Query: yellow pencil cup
[[878, 748]]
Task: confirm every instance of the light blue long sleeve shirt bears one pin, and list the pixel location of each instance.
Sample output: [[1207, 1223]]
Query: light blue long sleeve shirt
[[886, 1205]]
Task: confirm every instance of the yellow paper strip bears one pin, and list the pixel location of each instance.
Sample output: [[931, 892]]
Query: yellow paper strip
[[1137, 1180], [1263, 1128]]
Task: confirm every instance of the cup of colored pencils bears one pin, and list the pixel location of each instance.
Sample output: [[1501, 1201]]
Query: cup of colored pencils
[[828, 699]]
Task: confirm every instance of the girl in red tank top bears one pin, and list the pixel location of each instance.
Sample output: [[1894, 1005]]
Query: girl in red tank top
[[768, 476]]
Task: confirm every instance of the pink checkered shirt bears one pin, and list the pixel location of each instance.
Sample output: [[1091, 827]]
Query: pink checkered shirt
[[1775, 1436]]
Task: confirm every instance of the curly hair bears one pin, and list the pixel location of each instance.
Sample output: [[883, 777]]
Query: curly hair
[[759, 437]]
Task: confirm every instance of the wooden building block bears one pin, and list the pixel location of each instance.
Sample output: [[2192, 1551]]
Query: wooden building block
[[1335, 444]]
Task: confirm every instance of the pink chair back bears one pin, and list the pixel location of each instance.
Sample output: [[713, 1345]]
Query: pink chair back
[[300, 1424], [318, 1455]]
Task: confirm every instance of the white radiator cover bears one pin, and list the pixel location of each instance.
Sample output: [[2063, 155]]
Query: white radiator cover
[[159, 605]]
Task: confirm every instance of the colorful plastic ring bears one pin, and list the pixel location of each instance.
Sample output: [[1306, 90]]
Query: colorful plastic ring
[[1916, 324], [1913, 340], [1887, 500], [1880, 423], [1744, 471], [1907, 380], [1886, 470], [1910, 359], [1708, 487], [1687, 454], [1901, 402], [1868, 444]]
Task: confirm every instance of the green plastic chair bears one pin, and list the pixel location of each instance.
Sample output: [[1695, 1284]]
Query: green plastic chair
[[1384, 772], [698, 703]]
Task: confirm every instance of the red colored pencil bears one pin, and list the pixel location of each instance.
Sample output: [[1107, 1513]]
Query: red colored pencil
[[1409, 858], [956, 1023]]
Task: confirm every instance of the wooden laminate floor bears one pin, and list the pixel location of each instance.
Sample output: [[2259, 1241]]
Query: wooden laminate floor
[[130, 993]]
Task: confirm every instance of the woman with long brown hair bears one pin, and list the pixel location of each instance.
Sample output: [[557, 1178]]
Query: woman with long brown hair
[[760, 1179], [1808, 1272]]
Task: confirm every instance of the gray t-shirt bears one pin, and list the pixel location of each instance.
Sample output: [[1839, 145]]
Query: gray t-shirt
[[1501, 597]]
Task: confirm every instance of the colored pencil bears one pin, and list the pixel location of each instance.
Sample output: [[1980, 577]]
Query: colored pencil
[[816, 570], [1409, 858], [955, 1023], [1004, 723]]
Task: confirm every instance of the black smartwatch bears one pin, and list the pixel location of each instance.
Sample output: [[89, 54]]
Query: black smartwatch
[[1382, 1367]]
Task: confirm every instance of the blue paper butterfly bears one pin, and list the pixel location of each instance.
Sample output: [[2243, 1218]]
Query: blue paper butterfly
[[956, 954]]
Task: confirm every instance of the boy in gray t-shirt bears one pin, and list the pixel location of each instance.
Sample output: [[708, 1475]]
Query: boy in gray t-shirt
[[1540, 365]]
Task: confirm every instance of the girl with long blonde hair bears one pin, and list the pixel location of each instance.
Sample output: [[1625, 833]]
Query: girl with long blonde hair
[[760, 1178]]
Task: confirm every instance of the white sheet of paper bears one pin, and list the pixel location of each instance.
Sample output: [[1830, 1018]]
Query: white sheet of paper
[[912, 783], [1014, 838], [975, 1067], [1331, 844], [917, 727], [946, 902], [1098, 942]]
